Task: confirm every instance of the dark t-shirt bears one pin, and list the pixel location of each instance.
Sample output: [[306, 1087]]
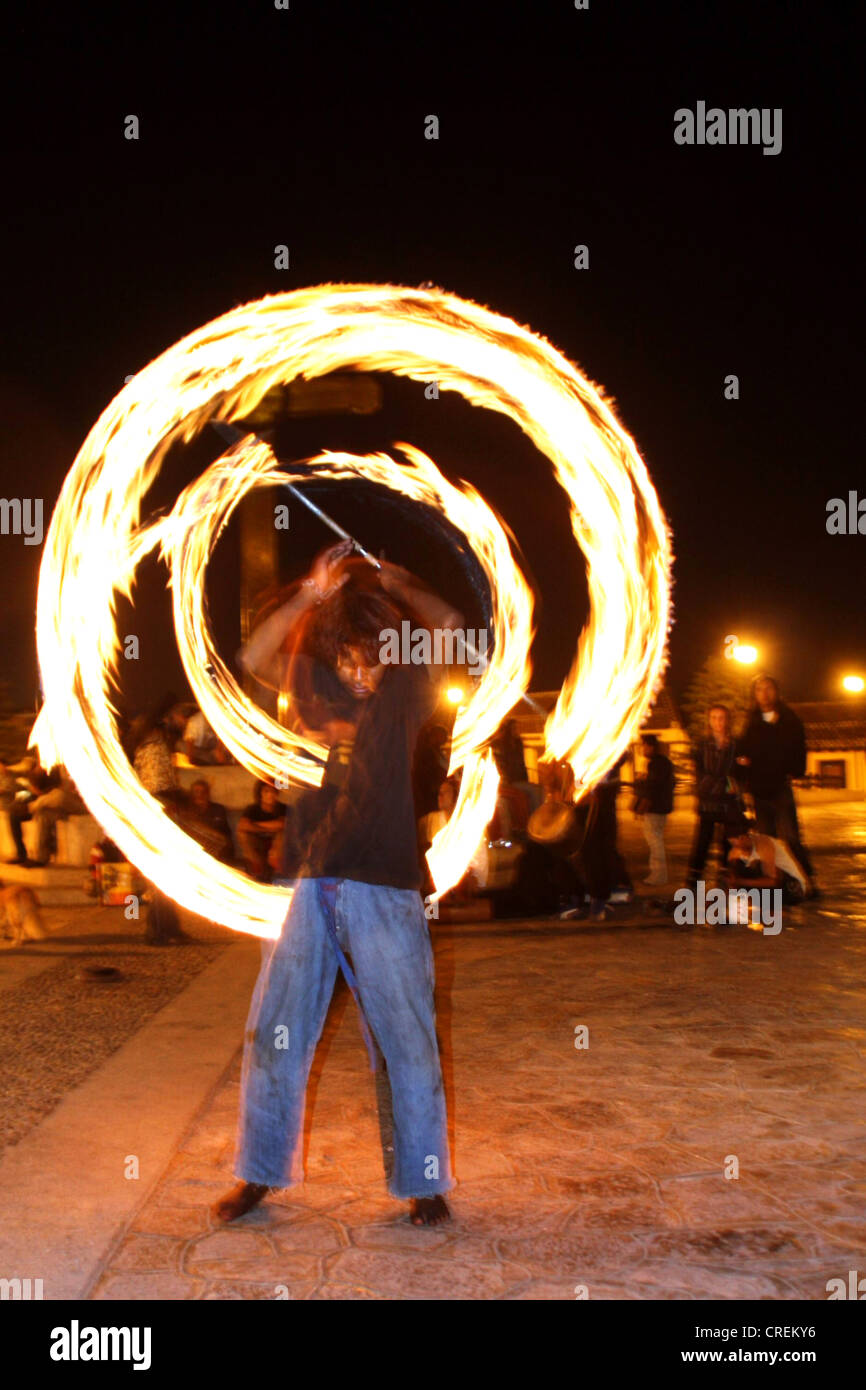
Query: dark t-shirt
[[254, 812], [658, 785], [360, 824], [776, 752], [211, 828]]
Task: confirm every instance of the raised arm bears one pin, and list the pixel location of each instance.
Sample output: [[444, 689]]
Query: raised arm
[[261, 656], [432, 611]]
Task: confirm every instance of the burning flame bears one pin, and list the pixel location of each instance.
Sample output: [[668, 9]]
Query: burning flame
[[222, 371]]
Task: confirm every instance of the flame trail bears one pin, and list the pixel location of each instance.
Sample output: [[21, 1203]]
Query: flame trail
[[222, 371]]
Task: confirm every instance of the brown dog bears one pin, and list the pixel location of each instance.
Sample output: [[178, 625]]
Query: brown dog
[[20, 917]]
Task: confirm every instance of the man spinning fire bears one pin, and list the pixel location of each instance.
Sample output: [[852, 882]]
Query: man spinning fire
[[357, 891]]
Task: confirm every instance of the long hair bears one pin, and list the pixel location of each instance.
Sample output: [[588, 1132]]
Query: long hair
[[355, 616], [730, 718]]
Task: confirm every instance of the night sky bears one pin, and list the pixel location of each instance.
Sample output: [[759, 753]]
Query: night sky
[[261, 126]]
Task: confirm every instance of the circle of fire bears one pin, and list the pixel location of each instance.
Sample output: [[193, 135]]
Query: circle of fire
[[222, 371]]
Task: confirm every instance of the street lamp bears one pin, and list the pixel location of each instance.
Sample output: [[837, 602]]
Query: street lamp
[[735, 650], [855, 685]]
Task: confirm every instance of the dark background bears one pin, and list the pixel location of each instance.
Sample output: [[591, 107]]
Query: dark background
[[306, 127]]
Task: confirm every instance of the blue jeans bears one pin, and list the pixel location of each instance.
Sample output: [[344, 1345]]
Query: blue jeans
[[385, 932]]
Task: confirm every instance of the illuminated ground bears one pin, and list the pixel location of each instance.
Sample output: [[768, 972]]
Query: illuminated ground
[[601, 1167]]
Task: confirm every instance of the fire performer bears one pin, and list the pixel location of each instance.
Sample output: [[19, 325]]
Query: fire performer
[[357, 891]]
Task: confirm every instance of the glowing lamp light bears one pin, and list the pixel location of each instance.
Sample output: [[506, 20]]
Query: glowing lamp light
[[454, 694], [855, 685], [746, 655]]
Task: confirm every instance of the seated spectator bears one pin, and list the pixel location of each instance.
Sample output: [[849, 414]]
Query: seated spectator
[[8, 791], [151, 746], [261, 822], [200, 743], [19, 811], [208, 822], [763, 861], [150, 743], [11, 805], [54, 796]]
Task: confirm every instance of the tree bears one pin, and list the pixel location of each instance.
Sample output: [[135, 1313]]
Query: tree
[[718, 682]]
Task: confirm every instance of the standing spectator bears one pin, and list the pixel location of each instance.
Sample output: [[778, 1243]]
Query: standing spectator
[[551, 862], [655, 803], [511, 763], [511, 814], [605, 869], [262, 820], [429, 768], [154, 766], [508, 751], [772, 751], [718, 799], [430, 825]]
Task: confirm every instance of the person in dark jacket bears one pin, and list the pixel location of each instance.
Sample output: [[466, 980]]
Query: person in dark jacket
[[716, 774], [655, 801], [604, 868], [510, 759], [430, 768], [772, 751]]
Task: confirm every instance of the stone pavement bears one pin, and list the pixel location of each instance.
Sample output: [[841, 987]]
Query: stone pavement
[[709, 1142]]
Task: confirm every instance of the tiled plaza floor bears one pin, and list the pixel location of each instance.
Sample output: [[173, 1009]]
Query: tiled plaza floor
[[709, 1142]]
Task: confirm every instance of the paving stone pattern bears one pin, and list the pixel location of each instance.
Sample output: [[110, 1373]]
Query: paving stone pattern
[[600, 1168]]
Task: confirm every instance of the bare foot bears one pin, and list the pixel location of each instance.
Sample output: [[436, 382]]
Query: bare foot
[[239, 1201], [428, 1211]]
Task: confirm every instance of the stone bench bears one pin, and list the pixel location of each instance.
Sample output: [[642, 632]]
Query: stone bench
[[76, 836]]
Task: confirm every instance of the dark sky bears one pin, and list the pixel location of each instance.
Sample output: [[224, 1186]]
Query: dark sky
[[306, 127]]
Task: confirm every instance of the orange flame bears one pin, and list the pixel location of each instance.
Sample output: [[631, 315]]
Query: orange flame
[[223, 370]]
